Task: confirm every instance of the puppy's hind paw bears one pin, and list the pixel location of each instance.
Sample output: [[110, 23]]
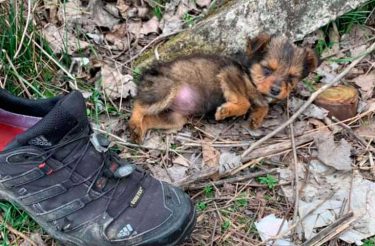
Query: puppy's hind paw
[[221, 113], [136, 134]]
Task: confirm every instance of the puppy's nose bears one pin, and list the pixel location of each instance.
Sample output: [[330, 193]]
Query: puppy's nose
[[275, 90]]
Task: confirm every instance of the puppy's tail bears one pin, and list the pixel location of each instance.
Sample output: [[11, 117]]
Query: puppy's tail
[[155, 90]]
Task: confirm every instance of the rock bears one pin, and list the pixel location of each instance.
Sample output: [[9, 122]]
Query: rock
[[226, 29]]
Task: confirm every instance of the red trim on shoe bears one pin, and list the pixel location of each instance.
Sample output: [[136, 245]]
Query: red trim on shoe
[[7, 134]]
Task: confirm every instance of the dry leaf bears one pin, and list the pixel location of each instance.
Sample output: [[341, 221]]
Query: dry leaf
[[117, 85], [160, 173], [36, 238], [367, 130], [311, 111], [367, 83], [180, 160], [203, 3], [151, 26], [210, 154], [52, 7], [70, 11], [117, 36], [100, 16], [59, 39], [177, 173], [229, 161], [123, 8], [336, 155], [134, 27]]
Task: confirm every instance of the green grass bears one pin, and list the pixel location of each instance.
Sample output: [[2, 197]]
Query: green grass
[[358, 16], [18, 219], [369, 242], [268, 180], [344, 25], [24, 66]]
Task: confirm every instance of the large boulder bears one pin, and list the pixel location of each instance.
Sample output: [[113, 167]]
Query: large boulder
[[226, 29]]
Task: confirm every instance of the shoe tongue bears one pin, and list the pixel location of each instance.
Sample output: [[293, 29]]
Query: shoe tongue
[[68, 113]]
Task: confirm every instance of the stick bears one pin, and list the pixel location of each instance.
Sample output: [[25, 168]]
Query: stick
[[332, 230], [189, 186], [308, 102]]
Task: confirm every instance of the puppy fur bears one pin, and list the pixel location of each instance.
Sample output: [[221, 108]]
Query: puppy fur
[[228, 86]]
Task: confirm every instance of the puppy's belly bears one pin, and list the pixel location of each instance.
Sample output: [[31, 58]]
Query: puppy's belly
[[192, 101]]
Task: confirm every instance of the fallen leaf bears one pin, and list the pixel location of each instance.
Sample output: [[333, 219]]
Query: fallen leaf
[[61, 40], [117, 36], [203, 3], [123, 8], [366, 130], [160, 173], [151, 26], [210, 154], [116, 85], [100, 16], [171, 24], [36, 238], [177, 173], [180, 160], [336, 155], [135, 27], [229, 161], [367, 84], [311, 111], [69, 11], [52, 7], [271, 226]]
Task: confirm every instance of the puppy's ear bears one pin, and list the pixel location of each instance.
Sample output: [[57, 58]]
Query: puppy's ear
[[257, 46], [311, 61]]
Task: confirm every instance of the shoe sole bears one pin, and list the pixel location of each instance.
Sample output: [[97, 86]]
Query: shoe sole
[[71, 241]]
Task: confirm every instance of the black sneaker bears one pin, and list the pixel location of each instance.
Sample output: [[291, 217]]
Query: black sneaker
[[81, 193]]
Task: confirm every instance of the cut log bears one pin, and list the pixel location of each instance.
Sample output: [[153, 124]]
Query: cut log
[[226, 29], [340, 101]]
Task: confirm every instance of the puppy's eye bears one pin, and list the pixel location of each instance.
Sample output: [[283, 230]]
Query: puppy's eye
[[267, 71]]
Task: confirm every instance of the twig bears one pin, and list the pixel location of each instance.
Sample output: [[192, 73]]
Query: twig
[[332, 230], [308, 102], [157, 39], [15, 232], [300, 220], [213, 232], [351, 132], [295, 167], [193, 186], [25, 29]]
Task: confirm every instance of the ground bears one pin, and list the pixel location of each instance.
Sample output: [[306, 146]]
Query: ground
[[53, 48]]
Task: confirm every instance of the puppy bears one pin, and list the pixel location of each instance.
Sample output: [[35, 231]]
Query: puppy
[[228, 86]]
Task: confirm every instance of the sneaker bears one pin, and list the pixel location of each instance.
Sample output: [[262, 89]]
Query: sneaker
[[54, 167]]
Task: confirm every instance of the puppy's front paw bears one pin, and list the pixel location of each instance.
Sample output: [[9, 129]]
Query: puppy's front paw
[[221, 113]]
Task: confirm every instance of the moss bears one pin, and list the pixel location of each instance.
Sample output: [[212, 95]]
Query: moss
[[183, 44]]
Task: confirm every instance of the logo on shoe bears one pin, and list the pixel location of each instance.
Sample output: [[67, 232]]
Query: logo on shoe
[[126, 231], [40, 141]]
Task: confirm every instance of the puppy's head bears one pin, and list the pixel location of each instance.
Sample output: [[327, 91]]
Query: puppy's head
[[278, 64]]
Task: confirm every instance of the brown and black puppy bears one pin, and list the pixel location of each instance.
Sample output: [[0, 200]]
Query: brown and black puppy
[[198, 84]]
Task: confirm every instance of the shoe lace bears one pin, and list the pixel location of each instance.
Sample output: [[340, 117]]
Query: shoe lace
[[110, 169]]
